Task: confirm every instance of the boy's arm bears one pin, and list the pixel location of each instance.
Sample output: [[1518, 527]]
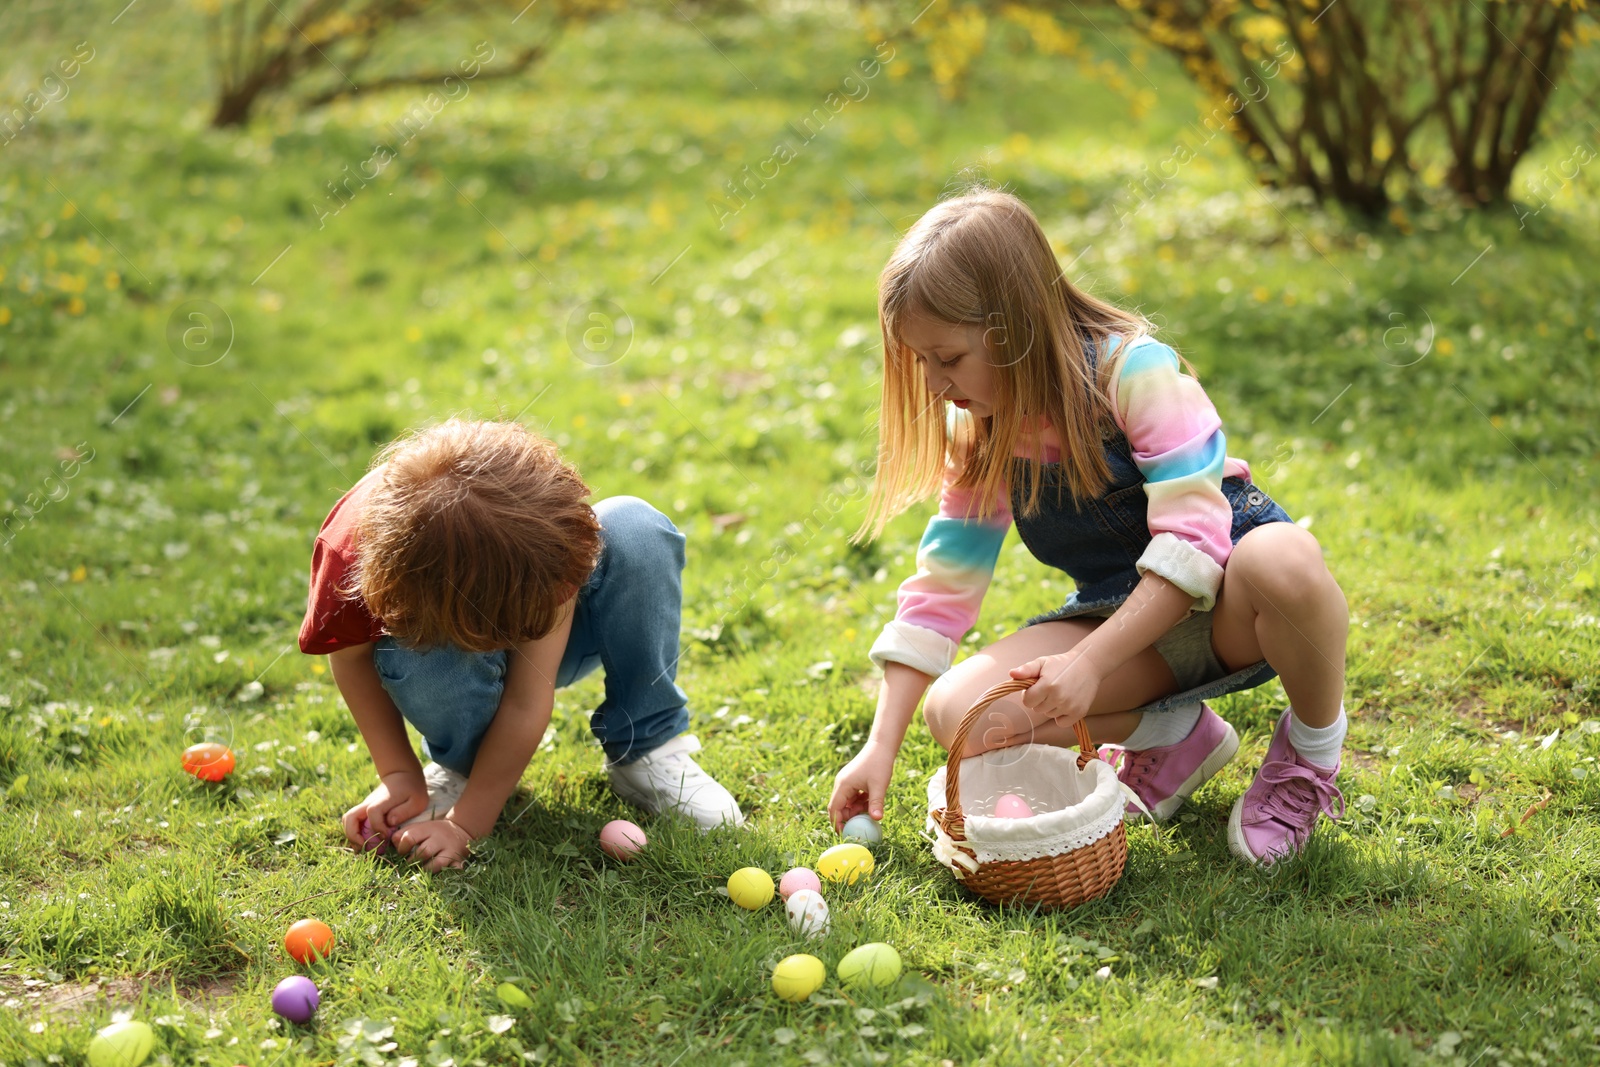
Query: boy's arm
[[384, 732], [375, 714], [518, 726]]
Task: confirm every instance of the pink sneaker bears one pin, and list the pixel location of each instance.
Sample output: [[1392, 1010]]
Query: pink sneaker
[[1275, 816], [1165, 777]]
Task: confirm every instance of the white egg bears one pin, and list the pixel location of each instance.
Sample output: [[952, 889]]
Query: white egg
[[808, 913]]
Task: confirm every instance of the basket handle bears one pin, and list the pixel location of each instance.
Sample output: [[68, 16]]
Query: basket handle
[[952, 772]]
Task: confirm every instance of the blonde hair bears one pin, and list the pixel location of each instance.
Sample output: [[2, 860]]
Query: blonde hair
[[475, 535], [983, 260]]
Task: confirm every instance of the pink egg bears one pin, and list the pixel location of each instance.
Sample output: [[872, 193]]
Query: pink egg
[[798, 879], [1011, 806], [372, 840], [621, 839]]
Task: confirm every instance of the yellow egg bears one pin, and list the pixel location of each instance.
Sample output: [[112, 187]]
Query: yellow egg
[[797, 977], [121, 1045], [750, 887], [875, 964], [845, 863]]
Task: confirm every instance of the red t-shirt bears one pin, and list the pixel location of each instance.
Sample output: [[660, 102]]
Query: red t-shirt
[[335, 619]]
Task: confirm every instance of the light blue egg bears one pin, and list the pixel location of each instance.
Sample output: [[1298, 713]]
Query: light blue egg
[[863, 829]]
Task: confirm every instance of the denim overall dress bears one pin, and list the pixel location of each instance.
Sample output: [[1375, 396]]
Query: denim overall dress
[[1097, 543]]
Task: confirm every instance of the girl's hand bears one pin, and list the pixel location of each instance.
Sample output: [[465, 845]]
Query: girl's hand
[[399, 796], [1064, 687], [439, 843], [861, 785]]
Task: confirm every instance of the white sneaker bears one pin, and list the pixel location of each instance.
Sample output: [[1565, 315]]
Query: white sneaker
[[444, 789], [666, 779]]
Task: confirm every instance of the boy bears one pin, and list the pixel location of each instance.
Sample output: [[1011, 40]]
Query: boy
[[456, 587]]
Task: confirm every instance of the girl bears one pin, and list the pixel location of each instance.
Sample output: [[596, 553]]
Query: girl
[[1191, 582]]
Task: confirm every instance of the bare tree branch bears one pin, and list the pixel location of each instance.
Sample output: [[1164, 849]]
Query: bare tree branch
[[525, 59]]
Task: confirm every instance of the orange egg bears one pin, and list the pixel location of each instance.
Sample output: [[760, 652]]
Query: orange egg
[[309, 940], [209, 761]]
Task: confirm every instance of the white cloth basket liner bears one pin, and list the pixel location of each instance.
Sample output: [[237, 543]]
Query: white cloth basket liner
[[1073, 807]]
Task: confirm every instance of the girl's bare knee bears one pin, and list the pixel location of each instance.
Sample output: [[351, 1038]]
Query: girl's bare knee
[[939, 711], [1283, 565]]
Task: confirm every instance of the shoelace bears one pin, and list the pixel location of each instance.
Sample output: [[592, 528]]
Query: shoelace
[[1301, 794], [1130, 766], [679, 771], [1120, 761]]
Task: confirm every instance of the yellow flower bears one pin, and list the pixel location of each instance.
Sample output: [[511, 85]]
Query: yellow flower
[[113, 280], [69, 209], [1263, 29], [76, 306], [625, 399], [1446, 346], [413, 333], [79, 573], [5, 316], [1260, 295], [579, 422], [317, 668]]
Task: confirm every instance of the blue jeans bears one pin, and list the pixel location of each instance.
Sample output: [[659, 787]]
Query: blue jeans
[[626, 621]]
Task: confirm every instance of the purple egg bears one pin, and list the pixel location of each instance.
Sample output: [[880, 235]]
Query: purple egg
[[296, 998]]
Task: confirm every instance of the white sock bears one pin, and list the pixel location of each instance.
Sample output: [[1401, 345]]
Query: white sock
[[1318, 744], [1158, 729]]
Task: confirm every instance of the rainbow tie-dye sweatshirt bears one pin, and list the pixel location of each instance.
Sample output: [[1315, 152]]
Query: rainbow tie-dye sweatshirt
[[1178, 445]]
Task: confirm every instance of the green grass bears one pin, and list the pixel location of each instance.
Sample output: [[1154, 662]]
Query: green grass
[[1453, 492]]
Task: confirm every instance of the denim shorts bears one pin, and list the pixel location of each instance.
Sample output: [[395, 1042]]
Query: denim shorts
[[1194, 664], [1187, 646]]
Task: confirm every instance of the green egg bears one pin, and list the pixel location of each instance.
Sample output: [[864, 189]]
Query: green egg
[[875, 964], [512, 997], [121, 1045]]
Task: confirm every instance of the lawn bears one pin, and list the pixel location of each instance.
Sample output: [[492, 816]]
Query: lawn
[[1421, 393]]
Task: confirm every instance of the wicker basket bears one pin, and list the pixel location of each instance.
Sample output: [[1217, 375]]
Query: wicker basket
[[1064, 875]]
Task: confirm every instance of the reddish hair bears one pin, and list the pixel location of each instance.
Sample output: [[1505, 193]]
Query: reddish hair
[[475, 535]]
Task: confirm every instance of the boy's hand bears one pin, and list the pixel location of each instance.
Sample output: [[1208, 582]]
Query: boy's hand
[[399, 796], [861, 785], [439, 843]]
